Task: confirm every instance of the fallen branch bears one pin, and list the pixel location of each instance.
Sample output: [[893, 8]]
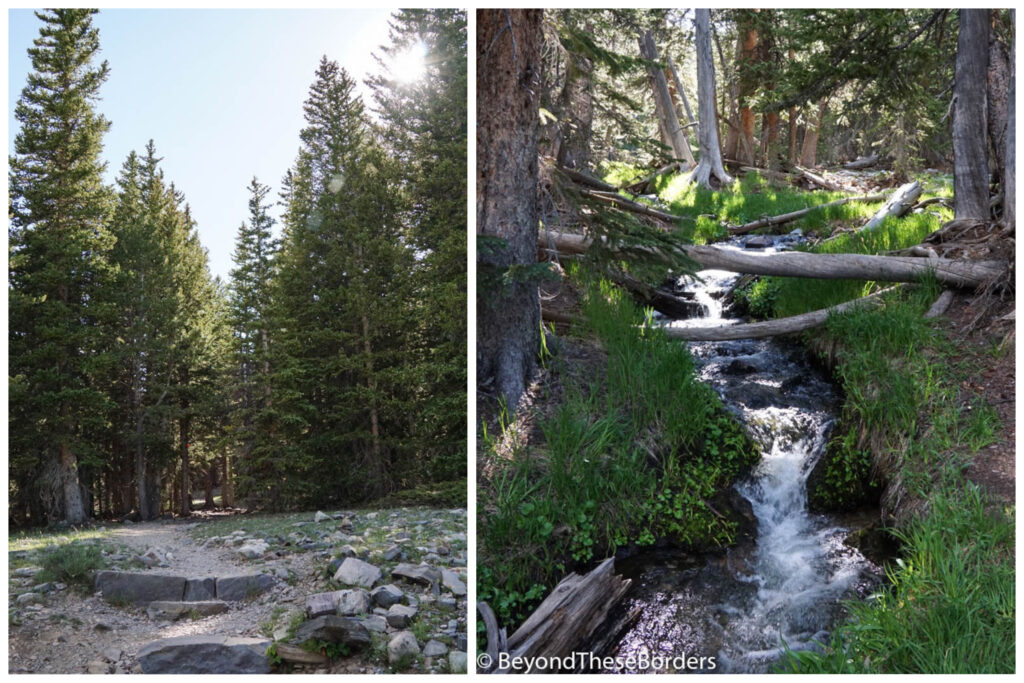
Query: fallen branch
[[639, 185], [770, 328], [898, 204], [793, 215], [818, 180], [956, 273], [584, 179], [940, 305]]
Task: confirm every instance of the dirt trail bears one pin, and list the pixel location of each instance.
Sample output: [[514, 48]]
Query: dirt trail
[[72, 631]]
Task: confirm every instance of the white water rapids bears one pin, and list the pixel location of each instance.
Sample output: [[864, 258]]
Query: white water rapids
[[785, 588]]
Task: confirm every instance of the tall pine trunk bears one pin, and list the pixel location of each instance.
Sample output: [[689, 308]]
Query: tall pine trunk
[[666, 112], [809, 152], [710, 164], [184, 423], [970, 142], [508, 313]]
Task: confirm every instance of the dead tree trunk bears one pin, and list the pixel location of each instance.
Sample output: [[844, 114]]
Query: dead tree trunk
[[955, 273], [770, 328], [663, 102], [996, 104], [710, 152], [508, 315], [1010, 181], [970, 143], [862, 162], [899, 203], [682, 93], [809, 153], [566, 619]]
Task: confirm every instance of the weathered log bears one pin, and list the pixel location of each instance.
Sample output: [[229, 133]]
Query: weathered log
[[568, 617], [793, 215], [659, 298], [940, 305], [550, 316], [862, 162], [897, 205], [496, 639], [667, 119], [584, 179], [630, 205], [639, 185], [770, 328], [951, 272], [818, 180]]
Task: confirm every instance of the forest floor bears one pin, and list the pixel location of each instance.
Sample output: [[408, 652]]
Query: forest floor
[[62, 628]]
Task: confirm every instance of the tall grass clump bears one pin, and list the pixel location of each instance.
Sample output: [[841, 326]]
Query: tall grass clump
[[628, 458], [73, 564], [950, 606]]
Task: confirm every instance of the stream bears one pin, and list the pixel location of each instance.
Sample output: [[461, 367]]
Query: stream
[[786, 586]]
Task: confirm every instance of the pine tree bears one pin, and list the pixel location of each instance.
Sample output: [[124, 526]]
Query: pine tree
[[425, 128], [249, 312], [59, 241]]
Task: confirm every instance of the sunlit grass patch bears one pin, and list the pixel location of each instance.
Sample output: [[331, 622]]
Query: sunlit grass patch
[[37, 539]]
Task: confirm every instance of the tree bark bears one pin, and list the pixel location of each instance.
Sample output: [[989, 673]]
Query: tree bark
[[748, 53], [682, 93], [898, 204], [955, 273], [997, 105], [184, 422], [74, 510], [508, 315], [809, 153], [970, 144], [663, 102], [1010, 180], [710, 164]]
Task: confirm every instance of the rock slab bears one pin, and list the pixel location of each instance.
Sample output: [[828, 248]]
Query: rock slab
[[200, 589], [333, 629], [355, 572], [170, 611], [206, 655], [243, 586], [139, 589]]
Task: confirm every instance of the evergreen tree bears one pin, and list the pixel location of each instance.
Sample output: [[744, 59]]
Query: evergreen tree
[[59, 241], [425, 129]]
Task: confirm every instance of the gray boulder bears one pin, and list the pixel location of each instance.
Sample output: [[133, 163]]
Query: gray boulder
[[377, 623], [402, 645], [400, 616], [388, 595], [457, 662], [453, 582], [140, 589], [417, 573], [434, 648], [333, 629], [355, 572], [206, 655], [243, 586], [353, 602]]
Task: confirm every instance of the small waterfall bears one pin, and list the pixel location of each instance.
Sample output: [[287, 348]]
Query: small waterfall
[[786, 588]]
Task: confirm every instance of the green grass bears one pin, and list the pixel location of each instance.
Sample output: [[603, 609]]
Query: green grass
[[38, 539], [628, 459], [72, 564]]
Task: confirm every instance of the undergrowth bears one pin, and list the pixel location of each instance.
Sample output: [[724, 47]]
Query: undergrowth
[[630, 460], [72, 564]]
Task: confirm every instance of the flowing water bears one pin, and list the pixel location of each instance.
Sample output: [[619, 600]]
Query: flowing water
[[785, 587]]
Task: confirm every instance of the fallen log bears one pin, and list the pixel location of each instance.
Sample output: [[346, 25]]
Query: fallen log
[[940, 305], [862, 162], [770, 328], [550, 316], [898, 204], [639, 186], [793, 215], [584, 179], [956, 273], [630, 205], [568, 617], [818, 180]]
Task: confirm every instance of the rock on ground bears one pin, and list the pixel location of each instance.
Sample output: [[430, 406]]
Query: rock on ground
[[243, 586], [355, 572], [402, 645], [139, 588], [333, 629], [171, 611], [206, 655]]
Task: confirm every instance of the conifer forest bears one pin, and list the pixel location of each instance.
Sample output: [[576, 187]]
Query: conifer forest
[[327, 369]]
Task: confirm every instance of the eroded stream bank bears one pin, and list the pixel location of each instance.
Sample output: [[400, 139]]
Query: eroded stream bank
[[782, 585]]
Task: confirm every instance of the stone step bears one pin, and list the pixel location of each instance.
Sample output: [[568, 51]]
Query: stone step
[[142, 588], [206, 655], [166, 610]]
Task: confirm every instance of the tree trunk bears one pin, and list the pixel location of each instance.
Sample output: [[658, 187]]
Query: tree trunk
[[1010, 181], [227, 486], [211, 471], [508, 314], [74, 509], [371, 385], [897, 205], [809, 153], [792, 123], [141, 476], [970, 143], [184, 422], [748, 53], [710, 153], [997, 104], [682, 93], [663, 102]]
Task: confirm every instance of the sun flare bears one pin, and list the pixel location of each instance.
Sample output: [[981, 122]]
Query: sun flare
[[410, 65]]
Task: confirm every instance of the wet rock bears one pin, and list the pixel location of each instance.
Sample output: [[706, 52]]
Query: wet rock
[[138, 588], [354, 572], [333, 629], [240, 587], [457, 662], [434, 648], [162, 610], [400, 616], [757, 242], [200, 589], [388, 595], [740, 367], [731, 504], [402, 646], [206, 655], [453, 582], [421, 574]]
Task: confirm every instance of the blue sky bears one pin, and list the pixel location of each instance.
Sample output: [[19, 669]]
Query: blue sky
[[220, 92]]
